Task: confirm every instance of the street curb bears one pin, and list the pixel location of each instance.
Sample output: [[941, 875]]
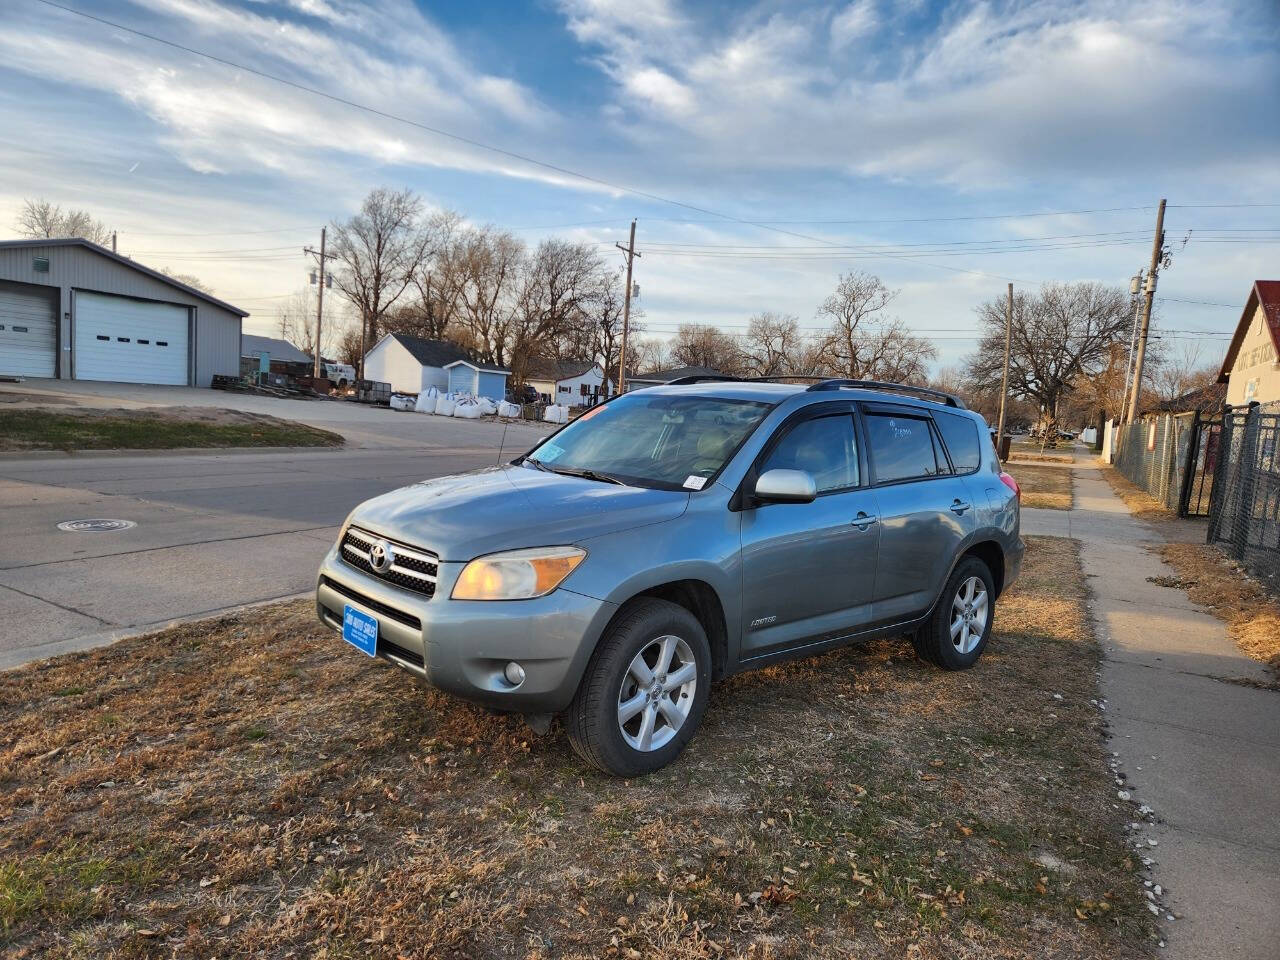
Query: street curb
[[15, 659], [161, 452]]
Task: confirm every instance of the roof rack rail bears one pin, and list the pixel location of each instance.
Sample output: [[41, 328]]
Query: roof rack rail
[[702, 378], [937, 396]]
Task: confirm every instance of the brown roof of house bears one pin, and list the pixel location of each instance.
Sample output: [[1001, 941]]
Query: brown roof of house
[[549, 368], [1267, 294], [1204, 399]]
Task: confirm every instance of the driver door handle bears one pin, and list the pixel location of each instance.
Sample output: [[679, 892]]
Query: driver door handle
[[863, 520], [958, 506]]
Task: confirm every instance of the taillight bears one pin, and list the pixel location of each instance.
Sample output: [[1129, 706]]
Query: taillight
[[1012, 484]]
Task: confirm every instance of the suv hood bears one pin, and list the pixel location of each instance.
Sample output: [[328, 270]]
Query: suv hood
[[463, 516]]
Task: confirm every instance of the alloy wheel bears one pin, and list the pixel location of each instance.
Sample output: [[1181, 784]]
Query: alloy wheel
[[656, 693], [969, 612]]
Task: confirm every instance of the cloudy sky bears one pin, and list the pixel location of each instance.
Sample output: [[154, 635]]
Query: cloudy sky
[[764, 147]]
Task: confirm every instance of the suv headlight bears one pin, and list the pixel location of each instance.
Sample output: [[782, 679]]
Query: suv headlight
[[516, 574]]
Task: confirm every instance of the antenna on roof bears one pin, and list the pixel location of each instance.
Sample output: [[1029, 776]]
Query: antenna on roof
[[503, 444]]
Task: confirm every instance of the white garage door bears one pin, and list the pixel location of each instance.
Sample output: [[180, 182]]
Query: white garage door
[[130, 341], [28, 334]]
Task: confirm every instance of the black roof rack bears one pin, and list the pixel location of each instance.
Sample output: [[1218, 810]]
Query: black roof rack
[[926, 393], [702, 378], [937, 396]]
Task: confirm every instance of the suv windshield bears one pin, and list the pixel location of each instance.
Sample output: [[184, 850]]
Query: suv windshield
[[653, 440]]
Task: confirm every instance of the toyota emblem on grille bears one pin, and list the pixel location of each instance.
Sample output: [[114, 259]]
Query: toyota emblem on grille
[[381, 556]]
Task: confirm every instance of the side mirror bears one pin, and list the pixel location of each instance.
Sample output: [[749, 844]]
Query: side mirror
[[786, 486]]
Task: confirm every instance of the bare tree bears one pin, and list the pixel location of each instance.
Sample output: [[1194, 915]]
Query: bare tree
[[772, 345], [702, 345], [297, 323], [436, 282], [646, 355], [191, 280], [490, 263], [1182, 371], [40, 219], [1061, 335], [377, 252], [559, 284], [863, 342], [350, 346]]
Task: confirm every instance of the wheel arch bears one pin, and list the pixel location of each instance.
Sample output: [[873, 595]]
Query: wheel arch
[[992, 554], [701, 600]]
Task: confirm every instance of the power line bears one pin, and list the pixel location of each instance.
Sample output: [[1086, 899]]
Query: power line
[[523, 158]]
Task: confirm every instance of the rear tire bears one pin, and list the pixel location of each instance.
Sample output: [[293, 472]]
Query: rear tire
[[957, 630], [633, 712]]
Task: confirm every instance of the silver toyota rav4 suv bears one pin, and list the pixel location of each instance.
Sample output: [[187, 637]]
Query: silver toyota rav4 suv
[[677, 535]]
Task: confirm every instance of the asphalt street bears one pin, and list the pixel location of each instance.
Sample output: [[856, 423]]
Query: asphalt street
[[214, 530]]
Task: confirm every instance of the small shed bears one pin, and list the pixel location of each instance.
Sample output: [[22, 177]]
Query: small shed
[[411, 364], [282, 355], [477, 379]]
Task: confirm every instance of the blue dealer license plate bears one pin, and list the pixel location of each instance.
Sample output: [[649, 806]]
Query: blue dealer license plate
[[360, 630]]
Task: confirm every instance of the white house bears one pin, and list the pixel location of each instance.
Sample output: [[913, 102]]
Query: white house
[[411, 364], [1251, 369], [568, 382]]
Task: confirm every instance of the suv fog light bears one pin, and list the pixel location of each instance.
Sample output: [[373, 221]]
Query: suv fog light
[[514, 673]]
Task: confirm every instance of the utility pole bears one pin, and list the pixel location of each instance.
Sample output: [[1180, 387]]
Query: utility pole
[[630, 251], [315, 371], [113, 241], [1149, 294], [1004, 383], [1135, 287]]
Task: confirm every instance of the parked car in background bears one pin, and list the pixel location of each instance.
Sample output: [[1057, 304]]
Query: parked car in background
[[341, 375], [677, 535], [525, 393]]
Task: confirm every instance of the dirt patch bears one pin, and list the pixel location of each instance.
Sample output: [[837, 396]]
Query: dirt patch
[[1044, 487], [35, 399], [252, 786], [1213, 580], [151, 428]]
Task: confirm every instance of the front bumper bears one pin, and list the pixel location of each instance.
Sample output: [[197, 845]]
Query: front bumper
[[463, 646]]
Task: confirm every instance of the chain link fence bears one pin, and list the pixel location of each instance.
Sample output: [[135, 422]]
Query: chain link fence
[[1153, 455], [1244, 517]]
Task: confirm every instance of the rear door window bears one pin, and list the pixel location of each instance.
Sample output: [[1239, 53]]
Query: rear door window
[[903, 448], [961, 437]]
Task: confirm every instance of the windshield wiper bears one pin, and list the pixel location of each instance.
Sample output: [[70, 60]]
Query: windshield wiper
[[536, 464], [585, 474]]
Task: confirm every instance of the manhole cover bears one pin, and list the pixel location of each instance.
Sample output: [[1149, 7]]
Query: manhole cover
[[95, 526]]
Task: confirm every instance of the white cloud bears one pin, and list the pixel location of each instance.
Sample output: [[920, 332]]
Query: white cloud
[[854, 22]]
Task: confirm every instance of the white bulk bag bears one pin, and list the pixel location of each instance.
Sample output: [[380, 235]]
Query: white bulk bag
[[427, 400], [444, 405], [555, 413], [487, 407], [402, 401], [467, 408], [508, 409]]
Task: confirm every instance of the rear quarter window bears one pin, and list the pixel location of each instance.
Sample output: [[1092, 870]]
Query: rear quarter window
[[960, 434]]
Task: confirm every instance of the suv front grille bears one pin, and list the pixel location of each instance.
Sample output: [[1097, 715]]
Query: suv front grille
[[411, 568]]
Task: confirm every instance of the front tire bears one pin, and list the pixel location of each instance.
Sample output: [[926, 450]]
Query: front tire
[[957, 630], [644, 692]]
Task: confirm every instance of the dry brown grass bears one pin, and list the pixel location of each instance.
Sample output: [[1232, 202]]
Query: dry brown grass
[[1044, 487], [1142, 504], [252, 786], [1212, 580]]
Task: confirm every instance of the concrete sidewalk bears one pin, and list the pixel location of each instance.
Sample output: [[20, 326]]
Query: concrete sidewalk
[[1201, 751]]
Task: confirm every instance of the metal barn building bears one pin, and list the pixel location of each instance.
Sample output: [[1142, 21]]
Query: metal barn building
[[73, 310]]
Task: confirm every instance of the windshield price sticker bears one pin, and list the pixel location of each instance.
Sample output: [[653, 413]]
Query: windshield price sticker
[[694, 483]]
